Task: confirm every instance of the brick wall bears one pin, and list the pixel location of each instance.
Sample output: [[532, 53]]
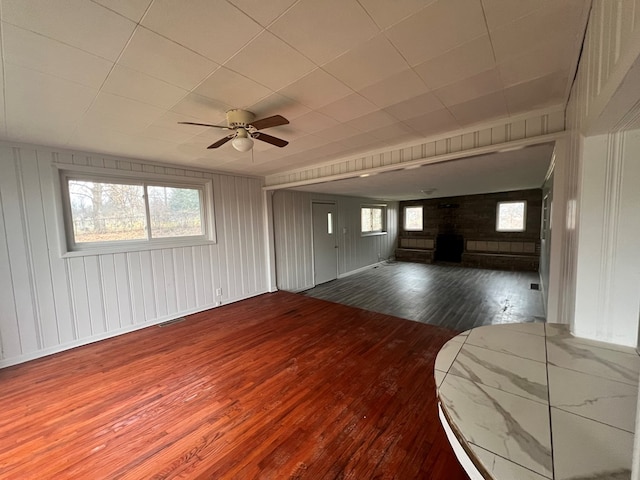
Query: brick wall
[[474, 218]]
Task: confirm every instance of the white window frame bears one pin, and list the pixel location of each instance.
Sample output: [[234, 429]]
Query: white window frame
[[68, 246], [524, 217], [383, 208], [404, 218]]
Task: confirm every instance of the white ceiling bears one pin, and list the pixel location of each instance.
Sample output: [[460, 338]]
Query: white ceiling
[[115, 76], [495, 172]]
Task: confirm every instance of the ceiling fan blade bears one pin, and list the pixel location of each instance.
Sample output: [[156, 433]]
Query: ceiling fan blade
[[220, 142], [278, 142], [273, 121], [204, 125]]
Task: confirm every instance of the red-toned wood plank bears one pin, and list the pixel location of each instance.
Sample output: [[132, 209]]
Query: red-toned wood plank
[[278, 386]]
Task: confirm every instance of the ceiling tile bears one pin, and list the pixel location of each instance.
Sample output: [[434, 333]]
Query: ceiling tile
[[560, 24], [270, 61], [27, 49], [276, 104], [338, 132], [314, 122], [132, 9], [427, 102], [130, 83], [372, 121], [499, 12], [43, 108], [440, 27], [226, 86], [167, 134], [154, 55], [347, 25], [119, 113], [433, 122], [82, 24], [393, 133], [541, 92], [395, 89], [480, 109], [367, 63], [204, 109], [316, 89], [386, 13], [461, 62], [348, 108], [263, 12], [216, 30], [542, 59], [470, 88]]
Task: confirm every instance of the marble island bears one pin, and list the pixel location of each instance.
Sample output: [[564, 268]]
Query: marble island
[[531, 402]]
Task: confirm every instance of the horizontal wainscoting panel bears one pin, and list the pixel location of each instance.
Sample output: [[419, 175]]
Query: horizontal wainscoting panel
[[49, 303]]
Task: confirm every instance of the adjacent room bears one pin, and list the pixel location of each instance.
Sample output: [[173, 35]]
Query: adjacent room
[[319, 239]]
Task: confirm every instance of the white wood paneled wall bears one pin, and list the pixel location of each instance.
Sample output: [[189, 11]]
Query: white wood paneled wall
[[294, 239], [49, 303]]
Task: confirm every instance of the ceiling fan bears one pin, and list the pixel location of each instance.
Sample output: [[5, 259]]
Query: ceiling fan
[[245, 129]]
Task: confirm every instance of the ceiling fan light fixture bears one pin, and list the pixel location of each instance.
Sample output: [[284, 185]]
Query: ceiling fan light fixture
[[242, 142]]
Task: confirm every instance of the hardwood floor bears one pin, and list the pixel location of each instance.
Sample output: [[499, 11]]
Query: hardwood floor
[[448, 296], [281, 386]]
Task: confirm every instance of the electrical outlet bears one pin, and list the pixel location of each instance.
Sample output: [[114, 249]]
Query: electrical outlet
[[218, 292]]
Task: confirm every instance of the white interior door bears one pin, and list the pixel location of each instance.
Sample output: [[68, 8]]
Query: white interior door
[[325, 247]]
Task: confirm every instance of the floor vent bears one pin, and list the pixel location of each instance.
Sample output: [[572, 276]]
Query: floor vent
[[171, 322], [535, 286]]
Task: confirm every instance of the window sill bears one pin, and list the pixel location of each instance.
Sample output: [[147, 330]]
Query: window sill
[[372, 234], [137, 247]]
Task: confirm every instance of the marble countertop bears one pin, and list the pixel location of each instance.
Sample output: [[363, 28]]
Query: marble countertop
[[530, 401]]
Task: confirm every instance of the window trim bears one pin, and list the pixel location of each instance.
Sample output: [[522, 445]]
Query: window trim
[[524, 217], [404, 218], [383, 208], [68, 246]]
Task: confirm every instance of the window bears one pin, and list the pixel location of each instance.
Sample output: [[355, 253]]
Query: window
[[101, 211], [329, 223], [511, 216], [413, 218], [373, 219]]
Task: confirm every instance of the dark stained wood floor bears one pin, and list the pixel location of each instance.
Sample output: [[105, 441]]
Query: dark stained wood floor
[[281, 386], [448, 296]]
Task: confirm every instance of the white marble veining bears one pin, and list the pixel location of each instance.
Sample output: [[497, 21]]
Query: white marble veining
[[447, 355], [603, 362], [534, 328], [516, 375], [586, 449], [507, 339], [495, 393], [506, 424], [606, 401], [499, 467]]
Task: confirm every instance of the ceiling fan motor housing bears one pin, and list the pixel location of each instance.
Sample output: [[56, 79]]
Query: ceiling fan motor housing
[[239, 118]]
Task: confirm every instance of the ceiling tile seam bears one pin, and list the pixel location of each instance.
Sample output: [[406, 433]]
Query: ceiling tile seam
[[4, 78], [39, 34], [272, 21], [495, 60], [123, 16], [113, 65]]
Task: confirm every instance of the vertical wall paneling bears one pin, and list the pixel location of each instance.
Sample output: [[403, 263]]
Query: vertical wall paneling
[[294, 239], [9, 326], [94, 294], [50, 301], [18, 254]]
